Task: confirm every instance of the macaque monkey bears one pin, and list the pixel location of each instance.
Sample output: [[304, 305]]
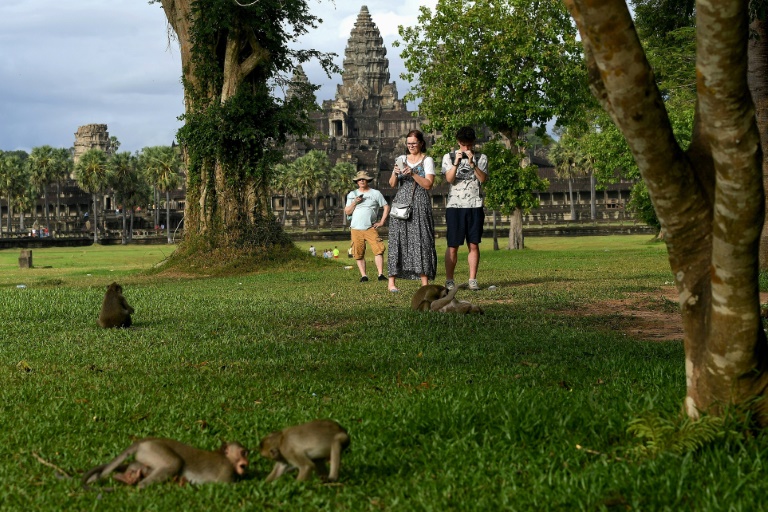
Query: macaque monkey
[[131, 474], [157, 460], [115, 311], [306, 447], [434, 297]]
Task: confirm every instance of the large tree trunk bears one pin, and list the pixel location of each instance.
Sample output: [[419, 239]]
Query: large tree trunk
[[758, 85], [216, 205], [710, 201], [495, 233], [516, 240]]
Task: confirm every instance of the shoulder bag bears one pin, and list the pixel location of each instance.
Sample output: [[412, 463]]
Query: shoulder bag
[[402, 211]]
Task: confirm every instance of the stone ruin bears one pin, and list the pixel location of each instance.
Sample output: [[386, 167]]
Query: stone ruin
[[91, 136]]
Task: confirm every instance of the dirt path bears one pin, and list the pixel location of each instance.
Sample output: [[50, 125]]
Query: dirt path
[[646, 316]]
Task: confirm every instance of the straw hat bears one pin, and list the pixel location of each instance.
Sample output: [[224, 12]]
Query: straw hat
[[362, 175]]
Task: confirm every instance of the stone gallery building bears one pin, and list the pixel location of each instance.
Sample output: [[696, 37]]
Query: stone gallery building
[[366, 125]]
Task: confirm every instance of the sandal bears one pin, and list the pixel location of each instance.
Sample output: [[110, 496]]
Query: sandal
[[394, 290]]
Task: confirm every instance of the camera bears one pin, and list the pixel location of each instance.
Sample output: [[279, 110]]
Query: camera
[[462, 154]]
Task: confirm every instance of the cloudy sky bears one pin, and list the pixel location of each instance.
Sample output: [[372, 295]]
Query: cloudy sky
[[66, 63]]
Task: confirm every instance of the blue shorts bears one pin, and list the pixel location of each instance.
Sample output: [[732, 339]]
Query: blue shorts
[[464, 224]]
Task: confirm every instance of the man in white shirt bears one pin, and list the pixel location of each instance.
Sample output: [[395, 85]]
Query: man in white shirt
[[363, 209], [464, 214]]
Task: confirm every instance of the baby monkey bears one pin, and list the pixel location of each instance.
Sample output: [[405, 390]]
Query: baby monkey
[[433, 297], [115, 310], [306, 447], [157, 460]]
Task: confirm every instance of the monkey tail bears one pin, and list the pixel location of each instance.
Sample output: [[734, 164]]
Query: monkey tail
[[104, 470], [438, 304]]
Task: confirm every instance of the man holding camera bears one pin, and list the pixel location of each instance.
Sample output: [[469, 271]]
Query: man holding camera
[[362, 209], [464, 214]]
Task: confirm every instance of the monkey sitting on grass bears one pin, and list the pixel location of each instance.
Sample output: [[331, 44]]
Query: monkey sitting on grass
[[115, 310], [434, 297]]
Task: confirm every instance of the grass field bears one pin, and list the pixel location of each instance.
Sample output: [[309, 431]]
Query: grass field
[[524, 408]]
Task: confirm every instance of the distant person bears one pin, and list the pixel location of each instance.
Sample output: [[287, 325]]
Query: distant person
[[336, 252], [312, 251], [349, 251], [412, 253], [363, 209], [464, 215]]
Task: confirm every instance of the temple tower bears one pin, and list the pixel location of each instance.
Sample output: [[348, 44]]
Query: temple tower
[[366, 90], [91, 136]]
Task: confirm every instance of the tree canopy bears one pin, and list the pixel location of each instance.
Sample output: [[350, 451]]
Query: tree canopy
[[235, 56], [508, 65]]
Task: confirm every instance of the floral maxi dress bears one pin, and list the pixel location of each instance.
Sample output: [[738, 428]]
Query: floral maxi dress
[[412, 242]]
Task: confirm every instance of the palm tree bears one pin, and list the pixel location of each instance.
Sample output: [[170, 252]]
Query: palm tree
[[92, 175], [563, 155], [122, 180], [310, 175], [586, 163], [42, 172], [280, 185], [340, 182], [25, 199], [63, 166], [12, 182], [161, 165]]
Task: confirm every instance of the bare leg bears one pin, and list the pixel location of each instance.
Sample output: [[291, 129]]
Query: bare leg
[[361, 266], [450, 261], [392, 285], [424, 279], [379, 260], [473, 259]]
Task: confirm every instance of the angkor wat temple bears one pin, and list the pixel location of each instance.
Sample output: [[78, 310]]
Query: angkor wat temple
[[366, 125]]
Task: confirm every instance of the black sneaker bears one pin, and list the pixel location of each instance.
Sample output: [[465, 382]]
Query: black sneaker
[[364, 279], [382, 277]]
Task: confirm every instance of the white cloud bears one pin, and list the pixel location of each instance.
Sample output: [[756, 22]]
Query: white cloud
[[66, 63]]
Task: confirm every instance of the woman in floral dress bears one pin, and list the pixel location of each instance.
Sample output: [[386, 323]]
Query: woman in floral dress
[[411, 248]]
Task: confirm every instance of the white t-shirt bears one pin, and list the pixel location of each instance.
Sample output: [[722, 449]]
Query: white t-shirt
[[424, 167], [367, 212], [466, 190]]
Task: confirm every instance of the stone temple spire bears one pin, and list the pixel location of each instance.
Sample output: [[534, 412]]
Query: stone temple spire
[[366, 67], [299, 84]]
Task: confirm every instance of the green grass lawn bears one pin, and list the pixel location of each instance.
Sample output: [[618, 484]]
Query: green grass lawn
[[524, 408]]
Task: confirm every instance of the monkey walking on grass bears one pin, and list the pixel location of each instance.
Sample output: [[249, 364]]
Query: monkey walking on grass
[[306, 447]]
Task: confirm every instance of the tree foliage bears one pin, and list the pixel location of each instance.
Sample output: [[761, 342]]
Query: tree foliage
[[235, 56], [510, 188], [14, 181], [507, 64], [92, 174]]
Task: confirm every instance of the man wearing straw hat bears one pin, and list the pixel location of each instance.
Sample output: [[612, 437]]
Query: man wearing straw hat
[[363, 209]]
